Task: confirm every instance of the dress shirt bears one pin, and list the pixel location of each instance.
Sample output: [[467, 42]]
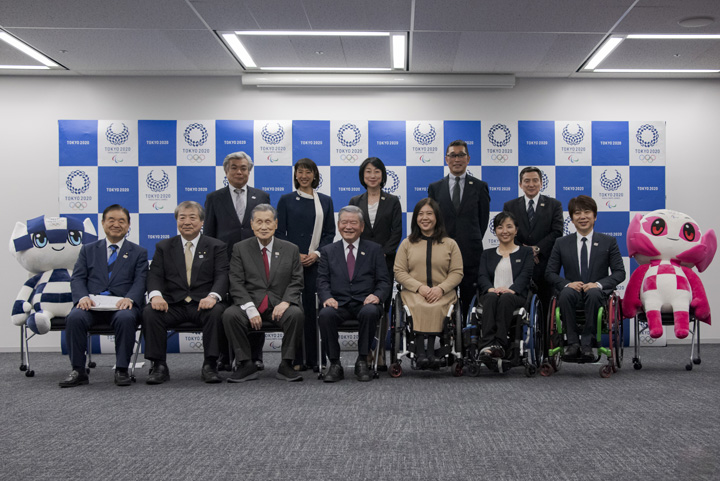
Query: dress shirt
[[372, 212], [589, 248], [527, 202]]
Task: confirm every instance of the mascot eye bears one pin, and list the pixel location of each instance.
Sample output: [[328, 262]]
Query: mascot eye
[[658, 227], [689, 232], [39, 240], [75, 237]]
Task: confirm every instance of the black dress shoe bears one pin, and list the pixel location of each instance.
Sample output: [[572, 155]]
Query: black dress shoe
[[362, 371], [158, 374], [122, 378], [335, 373], [210, 375], [246, 371], [286, 373], [422, 362], [587, 353], [572, 351], [259, 365], [75, 378], [221, 366]]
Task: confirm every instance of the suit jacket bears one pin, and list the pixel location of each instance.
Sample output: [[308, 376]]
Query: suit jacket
[[369, 277], [521, 263], [296, 219], [387, 230], [604, 255], [209, 269], [248, 282], [90, 275], [468, 224], [221, 220]]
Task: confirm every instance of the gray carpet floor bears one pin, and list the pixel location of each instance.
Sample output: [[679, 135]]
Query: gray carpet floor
[[659, 423]]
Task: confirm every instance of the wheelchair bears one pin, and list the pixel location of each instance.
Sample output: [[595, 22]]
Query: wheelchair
[[526, 338], [668, 320], [609, 323], [403, 339]]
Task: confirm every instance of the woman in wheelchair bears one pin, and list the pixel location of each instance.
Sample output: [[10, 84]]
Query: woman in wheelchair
[[503, 283], [429, 267]]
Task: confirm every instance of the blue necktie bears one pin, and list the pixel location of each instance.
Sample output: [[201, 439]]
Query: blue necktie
[[112, 258], [584, 274]]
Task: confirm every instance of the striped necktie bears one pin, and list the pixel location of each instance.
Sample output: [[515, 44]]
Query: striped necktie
[[112, 258]]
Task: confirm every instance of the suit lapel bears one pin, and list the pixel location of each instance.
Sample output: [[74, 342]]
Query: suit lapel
[[102, 248], [444, 197], [366, 213], [469, 186], [594, 253], [574, 255], [121, 263], [275, 260], [177, 256], [359, 258], [250, 203], [227, 204], [200, 256], [521, 214]]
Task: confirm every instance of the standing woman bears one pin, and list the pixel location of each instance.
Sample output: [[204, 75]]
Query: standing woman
[[503, 281], [429, 266], [306, 219]]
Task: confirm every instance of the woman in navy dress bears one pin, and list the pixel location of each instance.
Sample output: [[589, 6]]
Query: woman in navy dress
[[306, 218]]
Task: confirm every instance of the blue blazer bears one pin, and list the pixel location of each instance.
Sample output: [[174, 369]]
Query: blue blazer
[[90, 275], [604, 256], [369, 277], [522, 264], [296, 218]]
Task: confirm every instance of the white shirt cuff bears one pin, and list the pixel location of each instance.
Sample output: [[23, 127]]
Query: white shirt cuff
[[250, 310], [153, 294]]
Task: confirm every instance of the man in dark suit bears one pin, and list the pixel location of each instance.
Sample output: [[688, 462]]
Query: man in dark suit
[[540, 222], [115, 267], [227, 217], [266, 283], [353, 282], [586, 257], [465, 205], [187, 279]]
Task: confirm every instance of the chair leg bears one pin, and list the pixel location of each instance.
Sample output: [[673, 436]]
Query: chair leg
[[138, 344]]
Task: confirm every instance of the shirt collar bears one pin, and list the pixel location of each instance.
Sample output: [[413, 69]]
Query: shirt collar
[[269, 246], [589, 236], [193, 241], [356, 244], [462, 177], [119, 244]]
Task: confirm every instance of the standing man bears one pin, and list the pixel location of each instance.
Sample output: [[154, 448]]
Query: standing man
[[540, 222], [353, 282], [227, 217], [113, 266], [187, 279], [465, 205], [266, 283], [586, 257]]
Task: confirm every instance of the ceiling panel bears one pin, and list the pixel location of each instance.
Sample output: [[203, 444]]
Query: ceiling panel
[[434, 52], [252, 15], [662, 16], [674, 54], [374, 15]]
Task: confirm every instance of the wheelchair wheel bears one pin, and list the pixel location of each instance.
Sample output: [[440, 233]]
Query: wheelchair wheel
[[616, 332], [554, 342], [395, 370], [535, 351], [458, 332], [396, 331], [606, 371]]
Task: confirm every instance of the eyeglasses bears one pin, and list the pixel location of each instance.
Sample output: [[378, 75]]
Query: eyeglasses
[[461, 155]]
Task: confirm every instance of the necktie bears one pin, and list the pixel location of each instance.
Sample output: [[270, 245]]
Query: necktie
[[456, 194], [350, 261], [112, 258], [240, 204], [531, 211], [584, 274], [264, 303], [188, 265]]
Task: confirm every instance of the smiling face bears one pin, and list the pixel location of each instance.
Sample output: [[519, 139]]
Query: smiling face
[[305, 178], [426, 220], [506, 232], [457, 159], [238, 172], [189, 223], [350, 226], [264, 224], [116, 225], [584, 221], [531, 184], [372, 176]]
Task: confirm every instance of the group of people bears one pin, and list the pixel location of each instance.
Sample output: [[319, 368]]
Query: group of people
[[240, 266]]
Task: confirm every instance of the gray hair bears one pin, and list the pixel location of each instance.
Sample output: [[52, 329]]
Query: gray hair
[[352, 209], [263, 208], [238, 155], [190, 204]]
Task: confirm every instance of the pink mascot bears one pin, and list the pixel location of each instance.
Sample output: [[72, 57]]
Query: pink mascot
[[667, 245]]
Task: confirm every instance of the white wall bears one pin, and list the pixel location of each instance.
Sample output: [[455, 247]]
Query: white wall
[[31, 106]]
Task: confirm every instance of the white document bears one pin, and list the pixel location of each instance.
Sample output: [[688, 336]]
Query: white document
[[104, 303]]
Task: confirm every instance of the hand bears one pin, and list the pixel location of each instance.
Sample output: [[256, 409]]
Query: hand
[[309, 259], [159, 304], [492, 289], [124, 303], [504, 290], [256, 323], [590, 285], [85, 303], [434, 295], [331, 303], [424, 291], [207, 303], [371, 299], [577, 286], [279, 310]]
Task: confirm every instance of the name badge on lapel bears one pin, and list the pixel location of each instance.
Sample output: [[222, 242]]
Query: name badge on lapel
[[277, 254], [542, 204], [125, 256], [517, 260], [362, 253], [253, 197], [595, 244], [470, 182], [201, 255]]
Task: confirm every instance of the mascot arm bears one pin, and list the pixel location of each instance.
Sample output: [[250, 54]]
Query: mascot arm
[[631, 301], [21, 306], [699, 298]]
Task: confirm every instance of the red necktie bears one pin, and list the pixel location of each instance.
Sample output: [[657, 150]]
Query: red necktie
[[350, 261], [264, 304]]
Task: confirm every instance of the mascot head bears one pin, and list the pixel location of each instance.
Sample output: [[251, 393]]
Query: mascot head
[[48, 243], [669, 235]]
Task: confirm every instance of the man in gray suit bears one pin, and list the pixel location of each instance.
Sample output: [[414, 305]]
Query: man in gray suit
[[266, 283]]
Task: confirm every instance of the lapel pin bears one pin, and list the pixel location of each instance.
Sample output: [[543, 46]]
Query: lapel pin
[[362, 253], [253, 197], [470, 182], [201, 256], [595, 244], [517, 260], [382, 198], [297, 198], [125, 256], [542, 204], [277, 254]]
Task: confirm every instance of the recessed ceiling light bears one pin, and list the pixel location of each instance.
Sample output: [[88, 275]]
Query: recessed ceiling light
[[27, 50], [696, 22], [651, 70], [680, 36], [602, 53]]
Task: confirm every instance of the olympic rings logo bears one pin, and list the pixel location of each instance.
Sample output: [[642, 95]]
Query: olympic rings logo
[[198, 158], [499, 157], [349, 157], [195, 345], [647, 158], [78, 205]]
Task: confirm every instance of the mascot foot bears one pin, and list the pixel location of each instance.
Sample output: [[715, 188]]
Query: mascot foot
[[39, 323], [655, 324], [682, 324]]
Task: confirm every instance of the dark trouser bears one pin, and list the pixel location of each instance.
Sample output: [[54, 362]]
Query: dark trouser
[[123, 322], [545, 290], [569, 300], [468, 287], [330, 318], [157, 323], [237, 325], [257, 343], [309, 355], [497, 317]]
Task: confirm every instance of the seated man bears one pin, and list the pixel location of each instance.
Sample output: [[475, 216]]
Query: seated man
[[187, 277], [353, 282], [113, 266], [585, 257], [266, 283]]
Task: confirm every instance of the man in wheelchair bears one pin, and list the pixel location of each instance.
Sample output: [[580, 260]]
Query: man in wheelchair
[[585, 257]]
